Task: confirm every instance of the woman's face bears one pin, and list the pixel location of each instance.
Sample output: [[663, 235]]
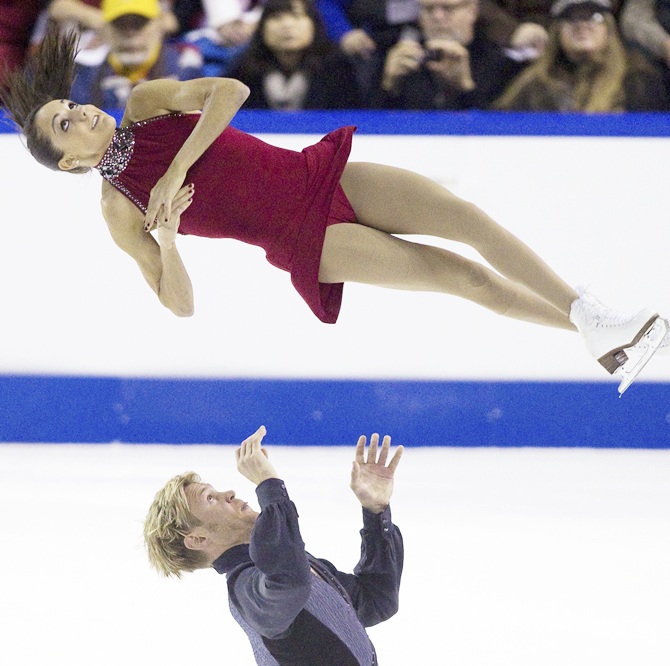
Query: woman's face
[[289, 32], [81, 131], [583, 36]]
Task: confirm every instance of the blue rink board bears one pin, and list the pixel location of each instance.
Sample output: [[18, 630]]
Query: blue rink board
[[328, 412], [448, 123]]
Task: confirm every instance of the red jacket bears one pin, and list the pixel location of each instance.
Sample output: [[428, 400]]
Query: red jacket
[[17, 18]]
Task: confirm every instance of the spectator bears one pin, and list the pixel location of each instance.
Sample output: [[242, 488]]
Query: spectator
[[366, 29], [87, 15], [227, 30], [645, 25], [17, 20], [189, 15], [447, 64], [586, 67], [291, 64], [520, 25], [294, 607], [134, 50], [85, 18], [361, 27]]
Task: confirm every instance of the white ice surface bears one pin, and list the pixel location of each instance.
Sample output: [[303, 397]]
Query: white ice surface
[[514, 557]]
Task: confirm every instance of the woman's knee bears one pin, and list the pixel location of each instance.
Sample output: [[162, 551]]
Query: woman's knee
[[441, 270], [481, 285], [475, 277], [493, 292]]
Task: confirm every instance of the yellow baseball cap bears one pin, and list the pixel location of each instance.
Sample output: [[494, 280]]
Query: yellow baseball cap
[[112, 9]]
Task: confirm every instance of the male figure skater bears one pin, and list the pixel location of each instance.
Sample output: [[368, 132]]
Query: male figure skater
[[295, 609]]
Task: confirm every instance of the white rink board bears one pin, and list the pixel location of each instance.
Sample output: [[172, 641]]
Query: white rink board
[[594, 208]]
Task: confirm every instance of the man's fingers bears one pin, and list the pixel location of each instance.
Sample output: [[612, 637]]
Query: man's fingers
[[355, 473], [360, 449], [259, 433], [375, 450], [251, 443], [372, 449], [396, 458], [383, 454]]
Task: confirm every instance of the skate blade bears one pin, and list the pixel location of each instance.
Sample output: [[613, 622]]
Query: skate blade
[[616, 358], [646, 348]]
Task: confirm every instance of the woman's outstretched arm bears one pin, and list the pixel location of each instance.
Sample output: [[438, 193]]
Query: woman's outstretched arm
[[218, 99]]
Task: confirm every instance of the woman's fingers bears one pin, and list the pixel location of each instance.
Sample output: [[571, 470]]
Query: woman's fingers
[[182, 200], [184, 194], [180, 207]]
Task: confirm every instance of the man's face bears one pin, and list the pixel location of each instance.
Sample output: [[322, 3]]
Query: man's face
[[224, 517], [449, 19], [133, 38]]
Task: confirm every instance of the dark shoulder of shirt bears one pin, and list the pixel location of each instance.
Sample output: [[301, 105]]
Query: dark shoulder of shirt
[[335, 86], [646, 85]]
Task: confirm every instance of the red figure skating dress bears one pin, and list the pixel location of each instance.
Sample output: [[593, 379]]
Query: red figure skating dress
[[281, 200]]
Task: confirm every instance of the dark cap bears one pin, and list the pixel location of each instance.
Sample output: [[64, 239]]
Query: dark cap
[[561, 9]]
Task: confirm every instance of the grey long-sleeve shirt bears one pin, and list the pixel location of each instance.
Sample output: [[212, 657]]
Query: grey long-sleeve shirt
[[298, 610]]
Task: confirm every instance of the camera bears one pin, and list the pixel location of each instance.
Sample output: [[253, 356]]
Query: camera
[[432, 54]]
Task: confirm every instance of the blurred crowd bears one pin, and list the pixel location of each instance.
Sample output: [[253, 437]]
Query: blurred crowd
[[522, 55]]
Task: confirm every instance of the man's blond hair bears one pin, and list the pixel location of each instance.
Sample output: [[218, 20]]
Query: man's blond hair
[[169, 520]]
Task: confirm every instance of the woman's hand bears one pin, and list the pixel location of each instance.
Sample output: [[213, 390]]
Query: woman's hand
[[163, 193], [167, 224]]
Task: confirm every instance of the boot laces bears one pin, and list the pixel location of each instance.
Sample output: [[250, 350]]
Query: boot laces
[[610, 318]]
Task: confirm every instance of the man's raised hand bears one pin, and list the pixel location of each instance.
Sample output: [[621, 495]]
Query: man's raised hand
[[371, 477], [252, 459]]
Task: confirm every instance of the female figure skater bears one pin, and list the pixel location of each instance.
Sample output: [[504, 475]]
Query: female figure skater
[[176, 166]]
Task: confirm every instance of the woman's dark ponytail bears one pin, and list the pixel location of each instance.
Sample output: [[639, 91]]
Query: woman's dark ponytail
[[47, 75]]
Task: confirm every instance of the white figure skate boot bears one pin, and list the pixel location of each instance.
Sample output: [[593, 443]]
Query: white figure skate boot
[[640, 354], [607, 333], [663, 348]]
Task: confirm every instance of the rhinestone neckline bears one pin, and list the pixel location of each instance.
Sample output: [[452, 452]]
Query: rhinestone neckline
[[118, 154]]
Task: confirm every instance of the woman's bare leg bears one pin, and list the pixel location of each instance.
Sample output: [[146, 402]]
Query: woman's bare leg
[[397, 201], [357, 253]]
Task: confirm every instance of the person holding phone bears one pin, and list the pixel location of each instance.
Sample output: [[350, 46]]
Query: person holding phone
[[448, 63]]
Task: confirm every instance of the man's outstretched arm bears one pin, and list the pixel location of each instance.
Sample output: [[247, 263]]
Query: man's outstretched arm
[[272, 593], [374, 585]]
